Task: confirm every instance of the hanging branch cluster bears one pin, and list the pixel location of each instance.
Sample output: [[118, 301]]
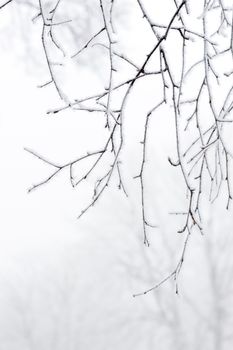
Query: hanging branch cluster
[[191, 89]]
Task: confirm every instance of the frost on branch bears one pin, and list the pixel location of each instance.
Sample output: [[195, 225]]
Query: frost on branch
[[190, 58]]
